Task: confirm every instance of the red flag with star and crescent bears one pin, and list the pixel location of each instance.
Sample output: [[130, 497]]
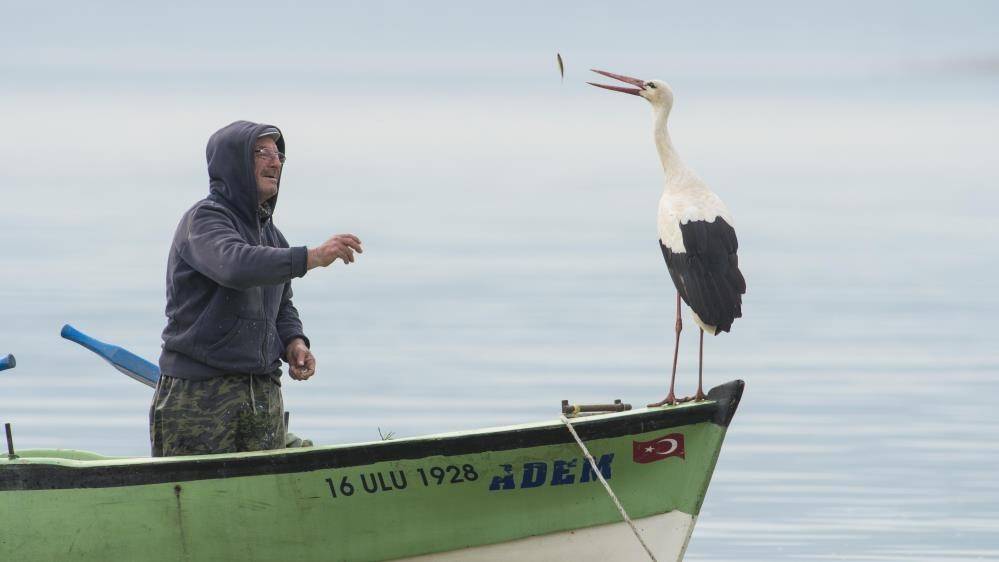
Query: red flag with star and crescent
[[671, 445]]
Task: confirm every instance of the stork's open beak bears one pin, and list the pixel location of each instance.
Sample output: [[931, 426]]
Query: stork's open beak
[[627, 79]]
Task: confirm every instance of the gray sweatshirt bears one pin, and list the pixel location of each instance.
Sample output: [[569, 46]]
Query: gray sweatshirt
[[229, 272]]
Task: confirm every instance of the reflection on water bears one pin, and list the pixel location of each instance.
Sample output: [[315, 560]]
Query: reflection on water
[[500, 281]]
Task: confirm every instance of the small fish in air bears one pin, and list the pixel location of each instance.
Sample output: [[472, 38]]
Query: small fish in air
[[561, 66]]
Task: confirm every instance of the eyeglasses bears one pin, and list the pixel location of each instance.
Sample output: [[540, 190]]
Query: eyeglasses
[[269, 154]]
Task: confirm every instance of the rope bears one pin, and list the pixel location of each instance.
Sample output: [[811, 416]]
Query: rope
[[596, 470]]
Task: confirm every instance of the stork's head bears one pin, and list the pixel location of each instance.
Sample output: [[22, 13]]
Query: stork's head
[[657, 92]]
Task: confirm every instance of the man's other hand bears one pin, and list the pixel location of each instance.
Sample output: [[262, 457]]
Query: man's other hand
[[301, 362], [341, 246]]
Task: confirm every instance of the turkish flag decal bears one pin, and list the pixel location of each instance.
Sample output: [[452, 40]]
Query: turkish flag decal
[[671, 445]]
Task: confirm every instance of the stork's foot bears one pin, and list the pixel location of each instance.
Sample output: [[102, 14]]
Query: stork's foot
[[672, 400], [668, 401]]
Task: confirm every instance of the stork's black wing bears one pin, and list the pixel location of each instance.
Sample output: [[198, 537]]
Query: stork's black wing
[[707, 273]]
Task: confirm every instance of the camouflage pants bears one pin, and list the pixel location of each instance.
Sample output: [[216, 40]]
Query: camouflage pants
[[219, 415]]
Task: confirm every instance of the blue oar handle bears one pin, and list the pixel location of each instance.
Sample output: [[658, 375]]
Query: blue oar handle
[[97, 346], [7, 362], [120, 358]]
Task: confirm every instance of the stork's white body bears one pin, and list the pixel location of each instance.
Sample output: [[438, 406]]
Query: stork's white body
[[685, 196], [684, 202]]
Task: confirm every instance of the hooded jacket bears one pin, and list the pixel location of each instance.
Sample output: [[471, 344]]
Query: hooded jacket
[[229, 272]]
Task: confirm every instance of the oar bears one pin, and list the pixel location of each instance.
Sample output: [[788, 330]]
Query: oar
[[7, 363], [119, 358]]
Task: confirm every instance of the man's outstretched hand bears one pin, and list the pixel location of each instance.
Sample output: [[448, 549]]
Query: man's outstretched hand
[[341, 246], [301, 362]]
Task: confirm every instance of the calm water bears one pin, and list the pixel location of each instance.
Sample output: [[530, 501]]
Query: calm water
[[511, 262]]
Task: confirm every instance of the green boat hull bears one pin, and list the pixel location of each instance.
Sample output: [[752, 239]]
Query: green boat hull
[[372, 501]]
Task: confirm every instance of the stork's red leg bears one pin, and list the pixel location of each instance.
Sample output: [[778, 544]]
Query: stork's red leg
[[700, 370], [671, 397]]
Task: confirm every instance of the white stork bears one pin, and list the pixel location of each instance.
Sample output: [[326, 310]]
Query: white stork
[[695, 234]]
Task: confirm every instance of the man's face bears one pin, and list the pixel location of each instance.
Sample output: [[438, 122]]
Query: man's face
[[266, 168]]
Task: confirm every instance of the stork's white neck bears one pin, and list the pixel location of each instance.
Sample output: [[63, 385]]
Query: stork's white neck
[[672, 164]]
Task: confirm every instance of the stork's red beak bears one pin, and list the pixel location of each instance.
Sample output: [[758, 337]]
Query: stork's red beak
[[626, 79]]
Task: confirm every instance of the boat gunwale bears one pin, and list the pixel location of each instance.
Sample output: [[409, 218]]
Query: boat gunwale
[[41, 473]]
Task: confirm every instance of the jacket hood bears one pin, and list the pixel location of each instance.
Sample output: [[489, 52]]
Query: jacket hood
[[231, 164]]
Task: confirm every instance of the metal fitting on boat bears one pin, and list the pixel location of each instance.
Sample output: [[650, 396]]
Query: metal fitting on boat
[[572, 410]]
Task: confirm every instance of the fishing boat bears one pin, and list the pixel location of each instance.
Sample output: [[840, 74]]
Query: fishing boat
[[624, 485]]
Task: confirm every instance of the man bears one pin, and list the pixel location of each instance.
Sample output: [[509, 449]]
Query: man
[[230, 319]]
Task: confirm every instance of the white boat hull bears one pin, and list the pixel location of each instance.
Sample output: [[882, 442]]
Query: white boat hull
[[666, 534]]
